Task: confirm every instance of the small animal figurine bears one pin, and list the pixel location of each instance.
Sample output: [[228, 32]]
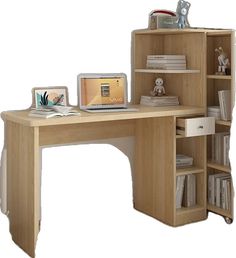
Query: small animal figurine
[[159, 89], [182, 14], [223, 61]]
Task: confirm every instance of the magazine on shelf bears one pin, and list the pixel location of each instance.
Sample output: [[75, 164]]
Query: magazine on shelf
[[183, 161], [179, 190], [159, 101], [219, 190], [166, 62], [214, 111], [220, 144], [50, 112], [189, 195], [225, 104]]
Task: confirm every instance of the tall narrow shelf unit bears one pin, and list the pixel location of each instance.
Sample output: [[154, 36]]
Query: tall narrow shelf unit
[[215, 83], [196, 86]]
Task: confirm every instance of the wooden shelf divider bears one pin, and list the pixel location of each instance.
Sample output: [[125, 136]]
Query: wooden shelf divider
[[189, 170], [166, 71], [219, 77], [211, 164]]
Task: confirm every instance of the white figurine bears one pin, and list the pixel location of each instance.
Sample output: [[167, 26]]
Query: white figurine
[[223, 61], [159, 89]]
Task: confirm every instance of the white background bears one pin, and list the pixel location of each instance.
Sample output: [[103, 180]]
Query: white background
[[86, 200]]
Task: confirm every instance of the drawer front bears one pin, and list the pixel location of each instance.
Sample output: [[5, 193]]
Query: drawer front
[[196, 126]]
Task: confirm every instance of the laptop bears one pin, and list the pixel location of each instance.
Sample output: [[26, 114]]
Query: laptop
[[103, 92]]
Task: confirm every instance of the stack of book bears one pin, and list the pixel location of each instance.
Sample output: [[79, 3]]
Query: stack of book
[[219, 190], [167, 62], [220, 148], [214, 111], [185, 191], [183, 161], [225, 104], [159, 101]]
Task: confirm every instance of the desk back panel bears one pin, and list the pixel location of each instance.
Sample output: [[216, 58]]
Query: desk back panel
[[72, 133]]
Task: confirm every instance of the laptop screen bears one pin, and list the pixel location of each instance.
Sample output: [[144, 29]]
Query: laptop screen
[[102, 91]]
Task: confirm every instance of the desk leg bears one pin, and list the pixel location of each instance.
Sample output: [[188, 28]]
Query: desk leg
[[22, 184], [153, 177]]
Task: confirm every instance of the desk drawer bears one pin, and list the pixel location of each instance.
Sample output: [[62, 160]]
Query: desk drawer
[[195, 126]]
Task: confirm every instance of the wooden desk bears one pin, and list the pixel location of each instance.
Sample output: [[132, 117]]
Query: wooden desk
[[154, 132]]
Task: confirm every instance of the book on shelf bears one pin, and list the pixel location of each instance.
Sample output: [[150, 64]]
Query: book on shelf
[[186, 187], [225, 104], [183, 161], [49, 113], [214, 111], [220, 145], [219, 190], [167, 57], [179, 190], [159, 101], [166, 62], [189, 195]]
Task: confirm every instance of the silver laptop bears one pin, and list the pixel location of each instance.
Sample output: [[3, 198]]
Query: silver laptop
[[102, 92]]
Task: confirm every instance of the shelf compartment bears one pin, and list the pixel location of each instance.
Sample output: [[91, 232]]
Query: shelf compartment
[[223, 122], [189, 170], [166, 71], [219, 77], [223, 212], [194, 208], [211, 164]]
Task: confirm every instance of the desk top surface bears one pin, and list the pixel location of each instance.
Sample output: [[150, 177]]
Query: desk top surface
[[21, 116]]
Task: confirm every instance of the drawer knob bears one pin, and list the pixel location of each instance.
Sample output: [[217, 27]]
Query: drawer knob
[[200, 127]]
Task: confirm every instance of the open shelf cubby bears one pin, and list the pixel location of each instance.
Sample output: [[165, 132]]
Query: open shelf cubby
[[216, 162]]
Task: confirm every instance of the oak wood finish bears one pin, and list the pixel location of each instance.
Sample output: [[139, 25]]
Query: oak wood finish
[[216, 83], [153, 128], [154, 181], [23, 184], [182, 83], [66, 134], [198, 85], [22, 116]]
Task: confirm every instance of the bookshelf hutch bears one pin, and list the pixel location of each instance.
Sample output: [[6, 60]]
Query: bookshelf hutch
[[197, 86]]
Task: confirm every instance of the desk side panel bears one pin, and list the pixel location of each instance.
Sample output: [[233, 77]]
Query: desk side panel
[[22, 184], [154, 180]]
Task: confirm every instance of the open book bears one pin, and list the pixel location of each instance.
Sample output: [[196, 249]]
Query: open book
[[48, 113]]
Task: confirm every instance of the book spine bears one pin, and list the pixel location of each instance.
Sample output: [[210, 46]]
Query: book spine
[[221, 104], [166, 57], [217, 190], [223, 194], [213, 147], [228, 194], [224, 106], [166, 61], [211, 188], [179, 190]]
